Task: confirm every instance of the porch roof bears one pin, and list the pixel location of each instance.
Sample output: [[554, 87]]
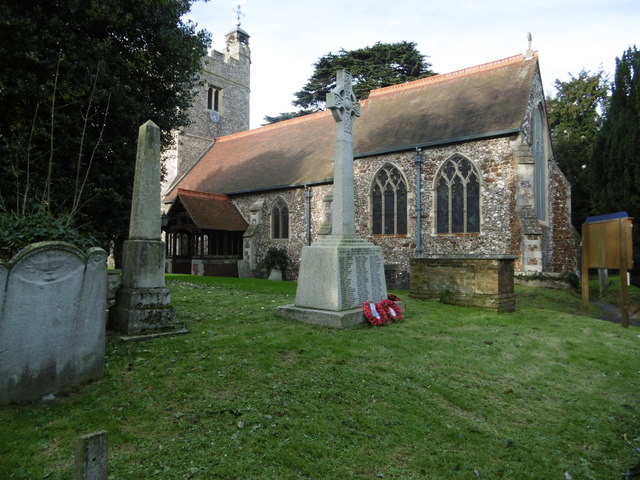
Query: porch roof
[[210, 211]]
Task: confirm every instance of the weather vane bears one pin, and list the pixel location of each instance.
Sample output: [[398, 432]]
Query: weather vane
[[239, 14]]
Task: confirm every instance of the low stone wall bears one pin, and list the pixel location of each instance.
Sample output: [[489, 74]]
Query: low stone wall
[[478, 281], [52, 319]]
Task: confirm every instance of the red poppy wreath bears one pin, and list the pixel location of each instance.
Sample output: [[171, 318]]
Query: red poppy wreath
[[391, 308], [374, 314]]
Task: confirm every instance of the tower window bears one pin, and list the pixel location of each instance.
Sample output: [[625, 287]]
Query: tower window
[[457, 194], [213, 98], [389, 202]]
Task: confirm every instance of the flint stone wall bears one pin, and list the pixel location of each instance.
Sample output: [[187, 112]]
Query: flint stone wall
[[485, 282], [52, 319], [504, 192], [296, 201], [500, 228]]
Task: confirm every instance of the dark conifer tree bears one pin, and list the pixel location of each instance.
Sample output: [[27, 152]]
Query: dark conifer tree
[[616, 155], [574, 119], [377, 66]]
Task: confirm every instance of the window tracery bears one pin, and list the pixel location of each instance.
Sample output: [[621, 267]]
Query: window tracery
[[457, 192], [389, 202], [280, 219]]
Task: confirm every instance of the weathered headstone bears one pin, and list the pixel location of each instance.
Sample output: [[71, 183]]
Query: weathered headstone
[[52, 319], [92, 457], [341, 271], [143, 303]]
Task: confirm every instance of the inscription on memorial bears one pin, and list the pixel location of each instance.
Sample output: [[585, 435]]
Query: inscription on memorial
[[359, 276]]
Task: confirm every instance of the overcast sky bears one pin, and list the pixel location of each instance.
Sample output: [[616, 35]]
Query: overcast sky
[[288, 36]]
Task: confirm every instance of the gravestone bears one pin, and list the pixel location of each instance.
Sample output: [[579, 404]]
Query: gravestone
[[91, 457], [143, 303], [52, 319], [341, 271]]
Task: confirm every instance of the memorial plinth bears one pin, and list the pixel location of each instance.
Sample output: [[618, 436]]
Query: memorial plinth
[[337, 275], [341, 271]]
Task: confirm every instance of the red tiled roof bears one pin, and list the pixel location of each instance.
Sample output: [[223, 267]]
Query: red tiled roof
[[488, 99], [210, 211]]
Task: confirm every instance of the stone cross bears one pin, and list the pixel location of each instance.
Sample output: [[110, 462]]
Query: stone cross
[[344, 107]]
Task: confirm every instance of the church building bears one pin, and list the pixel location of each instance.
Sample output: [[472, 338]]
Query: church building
[[459, 163]]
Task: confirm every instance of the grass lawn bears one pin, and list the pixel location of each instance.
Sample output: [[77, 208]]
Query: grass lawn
[[451, 392]]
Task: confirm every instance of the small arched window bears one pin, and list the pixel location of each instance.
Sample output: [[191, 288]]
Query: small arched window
[[457, 188], [280, 219], [213, 98], [389, 202]]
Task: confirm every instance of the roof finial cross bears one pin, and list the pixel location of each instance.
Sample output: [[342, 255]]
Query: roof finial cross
[[529, 53]]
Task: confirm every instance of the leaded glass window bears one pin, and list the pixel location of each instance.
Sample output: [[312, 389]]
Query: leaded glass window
[[389, 202], [538, 152], [457, 193], [280, 219]]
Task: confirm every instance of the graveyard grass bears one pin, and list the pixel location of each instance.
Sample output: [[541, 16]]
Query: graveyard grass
[[451, 392]]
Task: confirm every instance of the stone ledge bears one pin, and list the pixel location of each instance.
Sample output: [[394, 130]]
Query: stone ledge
[[151, 336], [467, 256], [325, 318]]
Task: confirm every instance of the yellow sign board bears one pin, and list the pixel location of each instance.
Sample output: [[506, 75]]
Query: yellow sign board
[[606, 243]]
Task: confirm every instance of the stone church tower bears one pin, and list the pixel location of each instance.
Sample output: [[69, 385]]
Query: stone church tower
[[221, 104]]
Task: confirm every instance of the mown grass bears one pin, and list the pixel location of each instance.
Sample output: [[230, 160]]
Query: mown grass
[[451, 392]]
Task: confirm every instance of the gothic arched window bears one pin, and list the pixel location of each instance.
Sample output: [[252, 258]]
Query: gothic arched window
[[457, 195], [540, 174], [389, 202], [280, 219]]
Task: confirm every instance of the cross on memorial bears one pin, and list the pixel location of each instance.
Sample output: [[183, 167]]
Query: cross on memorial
[[344, 107], [340, 271]]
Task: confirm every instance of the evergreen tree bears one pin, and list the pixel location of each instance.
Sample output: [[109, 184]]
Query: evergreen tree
[[286, 116], [616, 155], [377, 66], [574, 120], [77, 79]]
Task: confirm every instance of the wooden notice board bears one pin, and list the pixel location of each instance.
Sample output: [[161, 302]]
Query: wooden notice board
[[606, 243]]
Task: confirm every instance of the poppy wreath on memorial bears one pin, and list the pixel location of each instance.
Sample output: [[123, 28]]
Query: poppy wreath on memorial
[[391, 309], [393, 297], [375, 314]]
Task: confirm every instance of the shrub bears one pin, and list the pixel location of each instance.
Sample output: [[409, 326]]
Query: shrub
[[18, 231], [275, 258]]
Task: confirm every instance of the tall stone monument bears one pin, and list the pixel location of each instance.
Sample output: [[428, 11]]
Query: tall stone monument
[[341, 271], [142, 303]]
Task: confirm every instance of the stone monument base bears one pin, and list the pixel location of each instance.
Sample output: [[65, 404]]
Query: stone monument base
[[142, 310], [325, 318], [340, 273], [337, 275]]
